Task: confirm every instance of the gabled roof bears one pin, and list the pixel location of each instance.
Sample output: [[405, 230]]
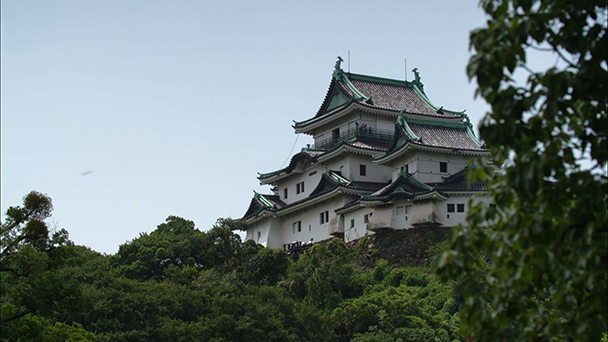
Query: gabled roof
[[427, 133], [405, 186], [261, 202], [376, 93]]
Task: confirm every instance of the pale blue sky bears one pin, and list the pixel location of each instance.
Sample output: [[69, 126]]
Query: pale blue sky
[[175, 105]]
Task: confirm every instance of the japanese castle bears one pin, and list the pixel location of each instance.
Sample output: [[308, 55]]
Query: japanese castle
[[384, 157]]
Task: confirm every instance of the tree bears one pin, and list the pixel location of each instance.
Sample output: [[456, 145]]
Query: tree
[[28, 259], [540, 271], [176, 242]]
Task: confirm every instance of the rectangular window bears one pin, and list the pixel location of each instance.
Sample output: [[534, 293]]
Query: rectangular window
[[399, 211], [460, 208], [443, 167], [365, 218], [285, 193], [297, 226], [259, 236], [324, 217], [407, 168], [352, 223], [300, 188], [362, 170], [451, 208], [335, 134]]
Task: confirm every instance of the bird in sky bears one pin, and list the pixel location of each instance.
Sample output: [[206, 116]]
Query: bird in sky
[[86, 173]]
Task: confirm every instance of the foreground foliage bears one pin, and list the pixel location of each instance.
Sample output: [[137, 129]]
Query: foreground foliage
[[540, 272]]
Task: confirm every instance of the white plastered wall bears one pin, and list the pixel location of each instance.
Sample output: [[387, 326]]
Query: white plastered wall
[[456, 218], [310, 219], [424, 166], [310, 176], [349, 166], [357, 229], [266, 232]]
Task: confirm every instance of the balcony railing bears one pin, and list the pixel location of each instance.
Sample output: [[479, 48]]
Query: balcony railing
[[367, 132]]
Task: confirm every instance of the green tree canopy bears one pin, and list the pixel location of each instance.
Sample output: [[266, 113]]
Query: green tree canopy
[[29, 257], [540, 272]]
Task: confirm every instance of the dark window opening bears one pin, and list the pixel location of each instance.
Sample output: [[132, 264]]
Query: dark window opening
[[362, 170], [324, 217], [335, 134], [285, 193], [460, 208], [300, 187], [451, 208], [297, 226], [443, 167]]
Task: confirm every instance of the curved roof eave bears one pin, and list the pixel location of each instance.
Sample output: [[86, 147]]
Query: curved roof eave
[[381, 159], [266, 178]]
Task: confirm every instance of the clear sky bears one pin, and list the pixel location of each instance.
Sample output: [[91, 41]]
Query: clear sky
[[126, 112]]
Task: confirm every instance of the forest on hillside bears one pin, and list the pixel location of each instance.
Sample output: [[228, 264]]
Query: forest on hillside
[[181, 284], [531, 269]]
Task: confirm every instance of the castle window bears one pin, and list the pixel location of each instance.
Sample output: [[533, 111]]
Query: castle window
[[352, 223], [297, 226], [324, 217], [285, 193], [335, 134], [300, 187], [460, 208], [451, 208], [443, 167], [366, 218], [362, 170], [259, 236]]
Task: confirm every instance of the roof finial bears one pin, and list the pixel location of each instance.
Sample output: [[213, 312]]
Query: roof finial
[[337, 69], [401, 117], [417, 79]]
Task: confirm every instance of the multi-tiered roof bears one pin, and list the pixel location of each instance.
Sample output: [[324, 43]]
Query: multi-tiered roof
[[348, 92], [419, 125]]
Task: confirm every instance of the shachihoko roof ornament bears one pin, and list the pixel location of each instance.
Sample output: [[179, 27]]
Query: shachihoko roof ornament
[[418, 79], [337, 69]]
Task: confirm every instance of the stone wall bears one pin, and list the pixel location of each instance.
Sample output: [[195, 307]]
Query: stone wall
[[399, 247]]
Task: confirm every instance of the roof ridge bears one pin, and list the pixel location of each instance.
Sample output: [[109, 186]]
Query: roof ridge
[[263, 199], [341, 180]]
